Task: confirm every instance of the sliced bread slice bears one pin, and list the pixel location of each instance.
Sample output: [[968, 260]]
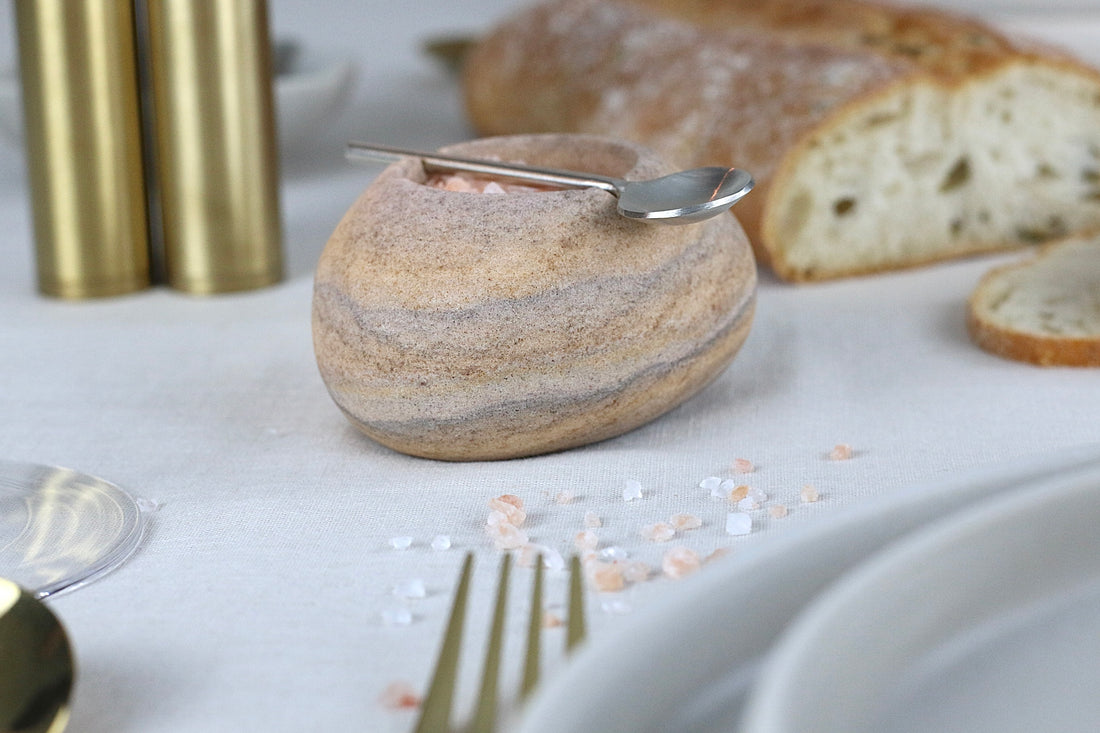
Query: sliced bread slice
[[1044, 310]]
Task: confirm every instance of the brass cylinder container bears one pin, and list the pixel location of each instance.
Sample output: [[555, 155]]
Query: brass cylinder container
[[83, 140], [216, 154]]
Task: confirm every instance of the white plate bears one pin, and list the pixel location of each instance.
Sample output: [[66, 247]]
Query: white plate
[[986, 621], [686, 662]]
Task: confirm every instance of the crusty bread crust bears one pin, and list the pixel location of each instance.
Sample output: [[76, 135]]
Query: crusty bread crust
[[1021, 341], [762, 85]]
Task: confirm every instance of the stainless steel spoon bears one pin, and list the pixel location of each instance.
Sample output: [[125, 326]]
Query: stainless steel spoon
[[36, 665], [679, 198]]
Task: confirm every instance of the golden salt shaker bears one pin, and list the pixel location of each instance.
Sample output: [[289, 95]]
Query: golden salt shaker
[[82, 127], [216, 155]]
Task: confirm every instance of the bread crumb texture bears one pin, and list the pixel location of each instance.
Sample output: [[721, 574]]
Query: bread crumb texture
[[1044, 310], [466, 326], [880, 138]]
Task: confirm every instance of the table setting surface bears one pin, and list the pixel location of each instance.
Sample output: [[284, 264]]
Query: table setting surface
[[271, 589]]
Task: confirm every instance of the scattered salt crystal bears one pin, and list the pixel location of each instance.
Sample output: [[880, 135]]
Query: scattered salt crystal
[[613, 553], [636, 572], [737, 493], [738, 523], [507, 536], [552, 619], [710, 483], [778, 511], [586, 540], [685, 521], [680, 562], [753, 499], [718, 492], [565, 496], [493, 187], [411, 589], [658, 532], [441, 542], [592, 520], [497, 518], [552, 559], [742, 465], [398, 616], [401, 543], [511, 507], [718, 554], [399, 695], [632, 490], [840, 452], [509, 499], [528, 555], [147, 505], [809, 494], [605, 576], [616, 607]]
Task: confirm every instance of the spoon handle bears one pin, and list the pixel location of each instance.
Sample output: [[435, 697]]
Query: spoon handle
[[553, 176]]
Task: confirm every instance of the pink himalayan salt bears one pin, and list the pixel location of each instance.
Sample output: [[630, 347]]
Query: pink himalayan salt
[[552, 619], [718, 554], [681, 522], [738, 493], [680, 562], [658, 532], [840, 452], [605, 577], [636, 571], [460, 183], [809, 494], [778, 511], [399, 695], [530, 553], [592, 520], [586, 540], [511, 506], [507, 537], [742, 465], [565, 496]]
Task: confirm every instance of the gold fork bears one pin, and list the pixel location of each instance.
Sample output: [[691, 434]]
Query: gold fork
[[435, 715]]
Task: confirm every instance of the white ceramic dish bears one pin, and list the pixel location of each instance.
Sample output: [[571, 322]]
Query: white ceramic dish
[[988, 621], [312, 91], [686, 663]]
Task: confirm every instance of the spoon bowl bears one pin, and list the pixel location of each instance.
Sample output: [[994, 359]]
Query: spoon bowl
[[679, 198], [36, 665]]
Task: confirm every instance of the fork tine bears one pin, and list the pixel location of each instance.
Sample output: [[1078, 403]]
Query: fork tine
[[575, 626], [436, 712], [534, 634], [486, 713]]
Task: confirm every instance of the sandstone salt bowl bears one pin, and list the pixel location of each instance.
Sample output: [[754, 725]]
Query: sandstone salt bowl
[[480, 326]]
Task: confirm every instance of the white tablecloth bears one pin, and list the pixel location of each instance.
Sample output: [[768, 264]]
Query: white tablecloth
[[258, 598]]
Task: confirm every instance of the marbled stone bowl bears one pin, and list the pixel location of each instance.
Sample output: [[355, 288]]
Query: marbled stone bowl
[[478, 326]]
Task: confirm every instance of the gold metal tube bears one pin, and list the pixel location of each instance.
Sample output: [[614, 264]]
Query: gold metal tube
[[83, 139], [216, 155]]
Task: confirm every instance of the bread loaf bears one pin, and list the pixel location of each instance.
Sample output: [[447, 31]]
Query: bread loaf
[[879, 137], [1044, 310]]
